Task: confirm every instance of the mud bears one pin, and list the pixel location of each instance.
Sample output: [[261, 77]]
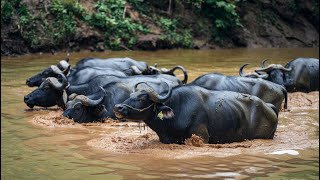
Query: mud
[[296, 130]]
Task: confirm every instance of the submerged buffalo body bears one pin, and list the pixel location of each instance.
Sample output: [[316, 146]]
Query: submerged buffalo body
[[301, 74], [216, 116], [84, 74], [96, 106], [54, 91], [88, 68], [265, 90], [129, 67], [126, 65]]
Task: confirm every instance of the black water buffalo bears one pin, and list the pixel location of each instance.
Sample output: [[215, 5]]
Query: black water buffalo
[[51, 92], [126, 65], [300, 74], [84, 74], [87, 69], [62, 67], [54, 91], [216, 116], [97, 106], [265, 90], [129, 66], [130, 81]]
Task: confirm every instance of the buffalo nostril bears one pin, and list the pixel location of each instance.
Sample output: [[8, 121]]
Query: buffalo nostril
[[119, 108], [27, 81], [26, 98]]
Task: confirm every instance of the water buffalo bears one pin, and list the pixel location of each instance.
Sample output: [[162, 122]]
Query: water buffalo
[[87, 69], [62, 67], [216, 116], [127, 65], [130, 66], [53, 91], [97, 106], [84, 74], [300, 74], [265, 90]]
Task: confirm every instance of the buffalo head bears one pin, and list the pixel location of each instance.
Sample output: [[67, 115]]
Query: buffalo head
[[52, 71], [82, 109], [51, 92], [143, 103], [276, 72]]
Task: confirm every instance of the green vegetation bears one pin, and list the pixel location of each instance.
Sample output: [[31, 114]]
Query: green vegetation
[[57, 24], [222, 14], [110, 18], [171, 34]]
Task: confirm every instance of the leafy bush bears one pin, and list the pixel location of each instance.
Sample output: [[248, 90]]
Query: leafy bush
[[222, 14], [119, 29], [171, 34]]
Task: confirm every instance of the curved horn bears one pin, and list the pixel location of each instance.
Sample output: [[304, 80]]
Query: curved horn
[[253, 75], [184, 81], [273, 66], [284, 69], [154, 96], [263, 61], [87, 101], [56, 84], [241, 69], [55, 69], [136, 70], [266, 69], [72, 96], [64, 64]]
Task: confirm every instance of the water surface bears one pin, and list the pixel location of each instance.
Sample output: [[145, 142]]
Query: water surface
[[33, 152]]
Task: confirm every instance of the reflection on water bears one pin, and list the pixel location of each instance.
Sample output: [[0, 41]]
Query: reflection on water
[[33, 152]]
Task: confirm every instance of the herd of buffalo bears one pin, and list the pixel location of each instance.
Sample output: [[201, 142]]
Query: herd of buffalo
[[216, 107]]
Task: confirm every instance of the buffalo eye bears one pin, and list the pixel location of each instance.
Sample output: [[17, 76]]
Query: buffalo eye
[[77, 107], [46, 86], [142, 97]]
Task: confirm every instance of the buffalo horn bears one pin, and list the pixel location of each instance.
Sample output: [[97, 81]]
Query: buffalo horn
[[263, 62], [171, 72], [64, 64], [72, 96], [154, 96], [136, 70], [241, 69], [87, 101], [273, 66], [253, 75], [55, 69], [56, 84]]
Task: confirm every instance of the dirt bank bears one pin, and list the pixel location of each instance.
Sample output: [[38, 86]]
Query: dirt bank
[[279, 23], [296, 130]]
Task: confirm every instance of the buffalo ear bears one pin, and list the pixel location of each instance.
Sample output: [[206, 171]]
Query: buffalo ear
[[165, 112]]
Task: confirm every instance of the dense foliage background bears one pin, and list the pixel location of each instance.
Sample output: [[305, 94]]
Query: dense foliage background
[[43, 25]]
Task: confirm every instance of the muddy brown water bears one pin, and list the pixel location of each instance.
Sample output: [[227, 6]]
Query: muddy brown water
[[44, 145]]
